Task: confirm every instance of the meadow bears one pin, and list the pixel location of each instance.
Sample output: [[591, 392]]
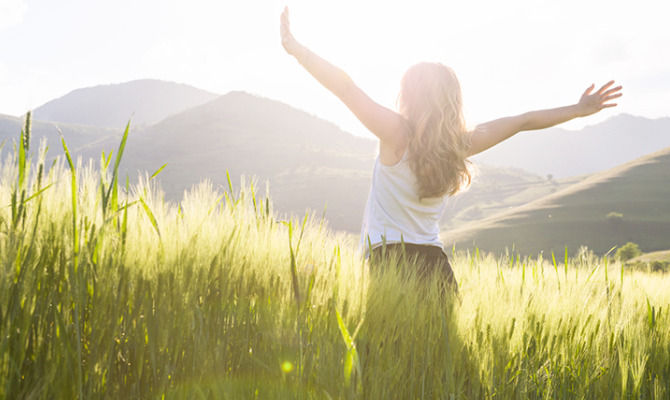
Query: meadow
[[109, 291]]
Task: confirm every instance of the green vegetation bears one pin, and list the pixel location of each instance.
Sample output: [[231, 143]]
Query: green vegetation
[[628, 251], [111, 292]]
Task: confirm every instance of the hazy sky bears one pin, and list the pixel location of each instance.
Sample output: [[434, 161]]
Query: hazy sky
[[511, 56]]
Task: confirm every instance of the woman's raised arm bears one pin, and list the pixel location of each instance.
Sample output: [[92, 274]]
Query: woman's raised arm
[[386, 124], [493, 132]]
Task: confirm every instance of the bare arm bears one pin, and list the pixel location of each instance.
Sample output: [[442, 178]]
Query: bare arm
[[493, 132], [387, 125]]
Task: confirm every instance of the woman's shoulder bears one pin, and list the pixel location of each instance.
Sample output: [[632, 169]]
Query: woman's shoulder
[[390, 155]]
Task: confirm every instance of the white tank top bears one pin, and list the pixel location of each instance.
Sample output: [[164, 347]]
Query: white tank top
[[394, 213]]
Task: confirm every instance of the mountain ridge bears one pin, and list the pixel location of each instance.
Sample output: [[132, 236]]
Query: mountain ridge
[[145, 101]]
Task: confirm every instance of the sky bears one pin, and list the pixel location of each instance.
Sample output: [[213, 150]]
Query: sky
[[510, 56]]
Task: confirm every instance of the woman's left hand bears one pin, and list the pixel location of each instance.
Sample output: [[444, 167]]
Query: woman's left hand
[[591, 103]]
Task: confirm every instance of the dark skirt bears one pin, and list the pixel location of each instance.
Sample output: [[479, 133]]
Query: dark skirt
[[430, 260]]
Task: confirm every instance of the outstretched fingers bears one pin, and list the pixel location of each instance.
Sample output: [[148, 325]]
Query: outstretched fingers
[[609, 95], [285, 24], [611, 91], [604, 87], [605, 103], [591, 102], [284, 15], [285, 31], [612, 96]]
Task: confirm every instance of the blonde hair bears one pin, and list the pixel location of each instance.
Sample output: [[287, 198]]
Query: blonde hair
[[430, 99]]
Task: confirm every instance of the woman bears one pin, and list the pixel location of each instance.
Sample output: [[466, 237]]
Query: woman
[[423, 150]]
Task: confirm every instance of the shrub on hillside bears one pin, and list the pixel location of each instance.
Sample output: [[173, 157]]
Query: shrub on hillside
[[649, 266], [628, 251], [659, 266]]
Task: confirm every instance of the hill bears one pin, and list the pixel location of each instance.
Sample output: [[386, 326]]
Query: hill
[[146, 101], [626, 203], [595, 148], [309, 162]]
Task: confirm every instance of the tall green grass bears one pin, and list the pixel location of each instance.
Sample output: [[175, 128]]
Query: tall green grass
[[108, 291]]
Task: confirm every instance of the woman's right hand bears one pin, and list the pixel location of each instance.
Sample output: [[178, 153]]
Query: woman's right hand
[[287, 40]]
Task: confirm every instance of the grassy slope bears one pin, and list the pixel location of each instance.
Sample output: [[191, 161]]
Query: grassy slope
[[663, 255], [496, 190], [576, 215]]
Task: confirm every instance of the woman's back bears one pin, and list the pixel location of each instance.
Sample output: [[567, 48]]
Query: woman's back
[[394, 213]]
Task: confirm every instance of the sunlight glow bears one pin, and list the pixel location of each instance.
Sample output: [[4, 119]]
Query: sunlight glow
[[510, 56]]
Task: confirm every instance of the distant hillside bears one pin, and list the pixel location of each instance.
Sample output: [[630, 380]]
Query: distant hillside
[[146, 101], [626, 203], [310, 163], [592, 149]]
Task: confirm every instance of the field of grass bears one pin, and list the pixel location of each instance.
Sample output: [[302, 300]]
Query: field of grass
[[111, 292]]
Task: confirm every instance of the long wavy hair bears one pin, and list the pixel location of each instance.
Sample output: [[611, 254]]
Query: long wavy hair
[[431, 101]]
